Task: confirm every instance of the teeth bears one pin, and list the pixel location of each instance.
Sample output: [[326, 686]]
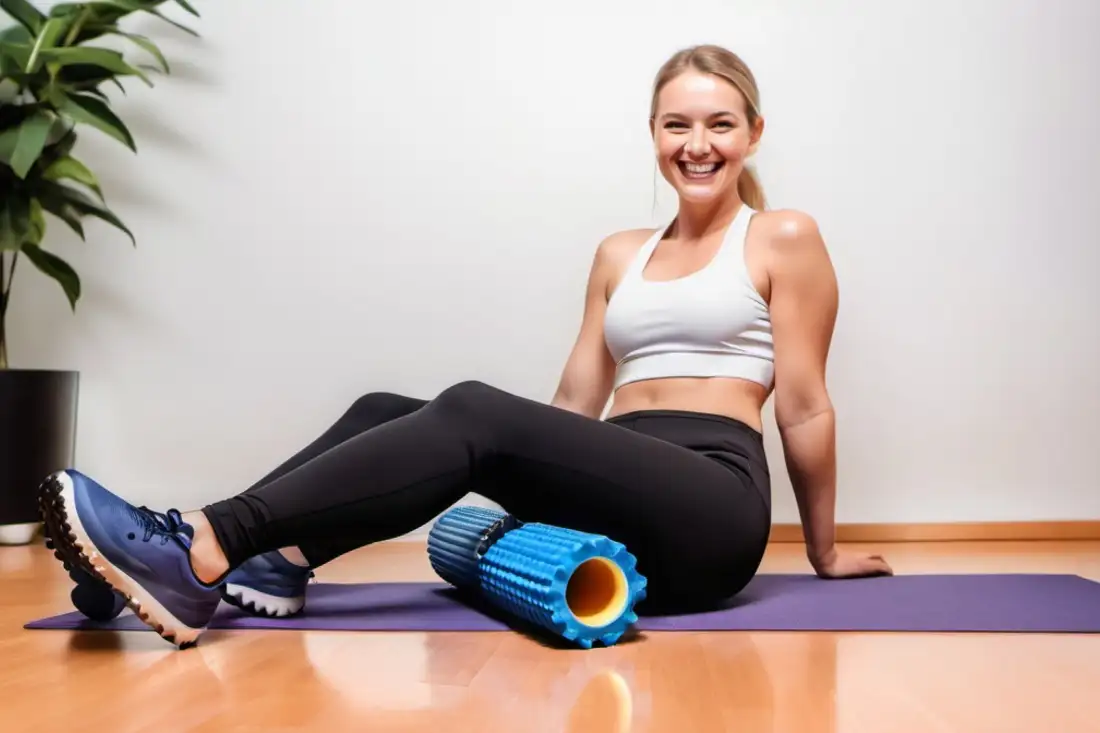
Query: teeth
[[700, 167]]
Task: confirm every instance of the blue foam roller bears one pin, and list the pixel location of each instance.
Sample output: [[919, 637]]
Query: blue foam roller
[[460, 538], [580, 586]]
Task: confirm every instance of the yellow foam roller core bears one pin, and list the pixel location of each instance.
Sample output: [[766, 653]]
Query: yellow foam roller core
[[597, 591]]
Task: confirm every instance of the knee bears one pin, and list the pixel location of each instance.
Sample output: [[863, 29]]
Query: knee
[[467, 395], [475, 405], [375, 406]]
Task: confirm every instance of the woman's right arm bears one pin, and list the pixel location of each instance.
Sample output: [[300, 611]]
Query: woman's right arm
[[587, 378]]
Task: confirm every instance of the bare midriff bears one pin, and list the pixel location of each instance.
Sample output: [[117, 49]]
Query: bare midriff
[[739, 399]]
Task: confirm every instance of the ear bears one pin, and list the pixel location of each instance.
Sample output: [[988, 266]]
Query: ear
[[653, 129], [757, 134]]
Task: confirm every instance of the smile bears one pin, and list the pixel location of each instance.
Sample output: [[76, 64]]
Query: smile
[[697, 171]]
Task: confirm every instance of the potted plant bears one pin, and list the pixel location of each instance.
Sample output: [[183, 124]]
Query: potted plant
[[53, 70]]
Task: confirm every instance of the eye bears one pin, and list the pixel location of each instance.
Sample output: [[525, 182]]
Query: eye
[[675, 126], [725, 124]]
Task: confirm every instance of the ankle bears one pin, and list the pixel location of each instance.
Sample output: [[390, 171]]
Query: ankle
[[208, 561], [294, 556]]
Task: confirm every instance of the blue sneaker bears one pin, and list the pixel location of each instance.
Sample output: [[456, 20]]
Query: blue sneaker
[[268, 585], [141, 554], [90, 595]]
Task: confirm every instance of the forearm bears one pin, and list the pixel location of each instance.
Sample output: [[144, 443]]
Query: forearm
[[578, 402], [809, 448]]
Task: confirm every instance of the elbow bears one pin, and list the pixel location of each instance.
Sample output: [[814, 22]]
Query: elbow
[[794, 408]]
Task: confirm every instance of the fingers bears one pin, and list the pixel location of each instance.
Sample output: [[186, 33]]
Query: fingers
[[879, 564]]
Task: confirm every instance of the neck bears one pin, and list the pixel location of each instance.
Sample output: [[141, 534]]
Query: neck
[[697, 220]]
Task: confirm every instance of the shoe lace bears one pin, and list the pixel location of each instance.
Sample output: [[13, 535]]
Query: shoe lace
[[167, 525]]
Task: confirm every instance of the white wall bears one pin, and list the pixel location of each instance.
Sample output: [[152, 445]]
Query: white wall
[[425, 209]]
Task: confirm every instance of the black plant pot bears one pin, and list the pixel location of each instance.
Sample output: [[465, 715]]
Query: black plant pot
[[38, 411]]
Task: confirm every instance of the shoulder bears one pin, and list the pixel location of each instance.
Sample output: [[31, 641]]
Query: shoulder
[[616, 250], [787, 231], [792, 242], [614, 255], [625, 243]]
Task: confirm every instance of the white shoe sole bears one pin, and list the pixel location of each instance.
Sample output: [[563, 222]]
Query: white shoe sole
[[262, 604]]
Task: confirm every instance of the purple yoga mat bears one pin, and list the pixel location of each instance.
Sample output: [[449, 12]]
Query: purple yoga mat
[[774, 602]]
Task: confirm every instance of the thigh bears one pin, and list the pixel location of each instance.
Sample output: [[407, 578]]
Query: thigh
[[694, 522]]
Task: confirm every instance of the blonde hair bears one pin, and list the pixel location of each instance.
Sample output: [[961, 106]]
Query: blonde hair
[[710, 59]]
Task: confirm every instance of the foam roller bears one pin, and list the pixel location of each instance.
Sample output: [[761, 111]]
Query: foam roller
[[460, 538], [580, 586]]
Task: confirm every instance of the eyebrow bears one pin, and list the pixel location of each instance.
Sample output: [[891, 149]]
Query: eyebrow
[[710, 116]]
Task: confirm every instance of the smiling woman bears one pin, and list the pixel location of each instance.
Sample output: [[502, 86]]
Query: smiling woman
[[688, 327], [706, 113]]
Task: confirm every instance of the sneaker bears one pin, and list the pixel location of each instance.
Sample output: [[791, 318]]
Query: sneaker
[[141, 554], [90, 595], [268, 585]]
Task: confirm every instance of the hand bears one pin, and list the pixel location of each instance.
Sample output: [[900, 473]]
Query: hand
[[837, 564]]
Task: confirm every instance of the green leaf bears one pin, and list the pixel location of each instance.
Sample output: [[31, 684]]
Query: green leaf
[[188, 7], [37, 231], [63, 146], [47, 38], [58, 269], [72, 169], [95, 112], [29, 140], [98, 93], [63, 211], [16, 56], [16, 34], [81, 202], [131, 6], [15, 222], [82, 78], [148, 46], [29, 16], [96, 57]]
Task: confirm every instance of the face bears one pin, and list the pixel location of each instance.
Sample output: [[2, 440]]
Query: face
[[702, 136]]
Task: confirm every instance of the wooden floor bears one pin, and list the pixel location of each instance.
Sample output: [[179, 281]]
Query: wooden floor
[[272, 681]]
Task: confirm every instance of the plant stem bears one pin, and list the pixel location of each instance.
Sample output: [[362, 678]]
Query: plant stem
[[5, 296], [3, 309], [71, 36]]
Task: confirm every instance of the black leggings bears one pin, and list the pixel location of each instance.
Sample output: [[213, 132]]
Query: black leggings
[[688, 493]]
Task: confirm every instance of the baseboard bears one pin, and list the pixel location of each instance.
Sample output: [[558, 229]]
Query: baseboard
[[926, 532], [951, 532]]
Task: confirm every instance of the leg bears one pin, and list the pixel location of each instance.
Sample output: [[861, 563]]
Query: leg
[[538, 462], [697, 524], [369, 411], [274, 583]]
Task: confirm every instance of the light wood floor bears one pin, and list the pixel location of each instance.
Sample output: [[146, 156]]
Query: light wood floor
[[272, 681]]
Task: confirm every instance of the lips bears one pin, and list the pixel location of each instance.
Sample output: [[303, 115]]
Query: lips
[[700, 171]]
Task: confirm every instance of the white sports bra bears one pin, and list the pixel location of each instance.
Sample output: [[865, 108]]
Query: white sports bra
[[711, 323]]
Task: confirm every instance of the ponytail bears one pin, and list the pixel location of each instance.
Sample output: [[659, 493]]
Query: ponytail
[[750, 190]]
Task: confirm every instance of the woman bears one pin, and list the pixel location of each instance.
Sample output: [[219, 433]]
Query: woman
[[689, 327]]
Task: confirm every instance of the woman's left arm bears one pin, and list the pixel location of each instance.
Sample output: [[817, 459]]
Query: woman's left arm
[[803, 305]]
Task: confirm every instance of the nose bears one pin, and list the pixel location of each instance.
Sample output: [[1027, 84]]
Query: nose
[[698, 145]]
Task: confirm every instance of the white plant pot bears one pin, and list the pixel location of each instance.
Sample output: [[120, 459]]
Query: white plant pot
[[18, 534]]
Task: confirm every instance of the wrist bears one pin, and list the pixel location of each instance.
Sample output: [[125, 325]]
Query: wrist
[[821, 558]]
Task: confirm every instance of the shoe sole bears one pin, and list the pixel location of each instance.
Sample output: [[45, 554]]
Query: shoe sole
[[70, 541], [261, 604]]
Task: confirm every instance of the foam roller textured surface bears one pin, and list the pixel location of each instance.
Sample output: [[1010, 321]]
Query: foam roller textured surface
[[459, 538], [527, 573]]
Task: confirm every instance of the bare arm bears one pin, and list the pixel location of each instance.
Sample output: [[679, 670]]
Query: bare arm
[[586, 379], [803, 304], [803, 307]]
